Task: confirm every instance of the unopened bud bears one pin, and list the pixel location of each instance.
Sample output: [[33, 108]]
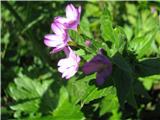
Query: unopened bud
[[87, 43], [153, 9]]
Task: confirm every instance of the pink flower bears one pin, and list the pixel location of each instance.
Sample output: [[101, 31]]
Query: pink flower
[[72, 17], [58, 40], [69, 66]]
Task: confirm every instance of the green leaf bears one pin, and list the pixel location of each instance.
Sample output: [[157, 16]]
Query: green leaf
[[78, 88], [128, 31], [140, 90], [142, 45], [65, 109], [108, 35], [27, 93], [81, 91], [116, 36], [28, 106], [106, 14], [121, 39], [149, 81], [110, 104], [157, 37], [116, 116], [121, 63], [88, 57], [146, 28], [76, 37], [131, 98], [80, 52], [149, 22], [106, 26], [123, 81], [148, 67], [131, 9], [85, 27], [107, 30], [93, 93], [92, 10]]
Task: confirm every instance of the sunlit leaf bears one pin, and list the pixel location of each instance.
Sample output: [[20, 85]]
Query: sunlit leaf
[[27, 93], [65, 109]]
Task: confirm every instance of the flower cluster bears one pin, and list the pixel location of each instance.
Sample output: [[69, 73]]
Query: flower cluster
[[59, 40]]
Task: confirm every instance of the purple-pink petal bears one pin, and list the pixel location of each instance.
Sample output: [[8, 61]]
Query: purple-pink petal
[[69, 66], [90, 67], [71, 12], [58, 48], [99, 64], [61, 20], [100, 78], [79, 10], [72, 17], [103, 75], [69, 72], [58, 28], [52, 40]]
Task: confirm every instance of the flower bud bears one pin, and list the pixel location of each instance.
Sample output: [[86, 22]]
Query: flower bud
[[153, 9], [88, 43]]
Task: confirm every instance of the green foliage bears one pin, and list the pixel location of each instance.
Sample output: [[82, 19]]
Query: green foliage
[[65, 109], [114, 35], [121, 63], [85, 27], [146, 28], [27, 93], [149, 67], [81, 90], [149, 81], [110, 105]]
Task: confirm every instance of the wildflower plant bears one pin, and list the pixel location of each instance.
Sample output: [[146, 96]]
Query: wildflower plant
[[101, 60]]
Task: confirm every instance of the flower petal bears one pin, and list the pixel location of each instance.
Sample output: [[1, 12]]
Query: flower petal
[[61, 20], [79, 10], [58, 28], [78, 59], [71, 12], [62, 69], [102, 75], [96, 64], [69, 72], [58, 48], [67, 62], [69, 66], [91, 67], [52, 40], [69, 52]]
